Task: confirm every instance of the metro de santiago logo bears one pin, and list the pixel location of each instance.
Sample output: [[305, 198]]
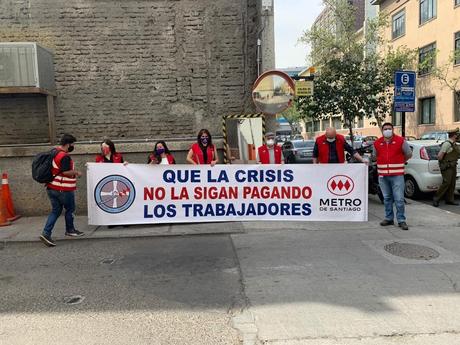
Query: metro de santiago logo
[[114, 194], [340, 185]]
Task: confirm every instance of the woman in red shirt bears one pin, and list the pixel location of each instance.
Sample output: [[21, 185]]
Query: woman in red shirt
[[203, 151], [161, 154], [109, 154]]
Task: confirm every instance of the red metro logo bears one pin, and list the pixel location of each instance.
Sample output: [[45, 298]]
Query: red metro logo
[[340, 185]]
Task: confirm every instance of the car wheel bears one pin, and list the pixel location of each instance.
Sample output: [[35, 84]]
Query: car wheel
[[411, 189]]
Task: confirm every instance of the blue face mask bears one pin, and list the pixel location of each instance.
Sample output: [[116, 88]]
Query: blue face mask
[[160, 150]]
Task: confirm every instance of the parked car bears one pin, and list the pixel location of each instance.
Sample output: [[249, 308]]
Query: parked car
[[357, 141], [297, 137], [422, 173], [369, 141], [298, 151], [438, 136], [410, 138]]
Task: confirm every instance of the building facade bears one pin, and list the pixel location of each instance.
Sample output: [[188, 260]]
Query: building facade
[[429, 26]]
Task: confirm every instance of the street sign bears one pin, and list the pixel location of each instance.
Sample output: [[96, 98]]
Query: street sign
[[304, 88], [404, 97]]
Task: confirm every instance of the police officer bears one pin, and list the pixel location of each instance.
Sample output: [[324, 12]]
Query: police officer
[[448, 157]]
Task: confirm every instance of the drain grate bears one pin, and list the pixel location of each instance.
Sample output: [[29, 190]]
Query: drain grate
[[411, 251], [72, 300]]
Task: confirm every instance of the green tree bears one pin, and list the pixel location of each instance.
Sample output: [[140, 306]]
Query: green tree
[[292, 116], [356, 74], [299, 112]]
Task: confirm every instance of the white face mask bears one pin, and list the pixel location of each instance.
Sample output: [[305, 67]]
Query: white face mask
[[388, 133], [270, 142], [331, 140]]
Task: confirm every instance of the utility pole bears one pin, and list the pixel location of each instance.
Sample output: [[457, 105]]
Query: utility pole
[[266, 47]]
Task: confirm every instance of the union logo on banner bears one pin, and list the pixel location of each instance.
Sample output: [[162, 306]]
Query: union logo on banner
[[114, 194], [340, 185]]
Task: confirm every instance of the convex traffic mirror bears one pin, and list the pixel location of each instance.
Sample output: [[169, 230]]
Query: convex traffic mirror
[[273, 92]]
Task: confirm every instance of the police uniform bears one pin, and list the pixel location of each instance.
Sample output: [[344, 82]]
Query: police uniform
[[448, 166]]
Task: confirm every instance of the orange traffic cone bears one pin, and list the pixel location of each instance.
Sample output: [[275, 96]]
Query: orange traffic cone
[[3, 214], [10, 213]]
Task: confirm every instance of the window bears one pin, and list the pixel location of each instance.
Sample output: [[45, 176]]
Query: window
[[457, 106], [324, 124], [428, 111], [359, 122], [456, 2], [427, 10], [399, 24], [309, 127], [426, 58], [396, 119], [316, 126], [337, 122], [457, 48]]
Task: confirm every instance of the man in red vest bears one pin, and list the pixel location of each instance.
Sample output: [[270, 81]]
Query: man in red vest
[[392, 152], [330, 148], [61, 190], [270, 153]]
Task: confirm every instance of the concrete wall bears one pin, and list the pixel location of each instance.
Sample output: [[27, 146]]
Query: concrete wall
[[23, 119], [135, 68]]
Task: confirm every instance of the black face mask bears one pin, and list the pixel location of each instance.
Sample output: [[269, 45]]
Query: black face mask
[[71, 148]]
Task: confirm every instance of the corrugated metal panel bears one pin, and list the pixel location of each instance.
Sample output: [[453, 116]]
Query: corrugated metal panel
[[19, 67]]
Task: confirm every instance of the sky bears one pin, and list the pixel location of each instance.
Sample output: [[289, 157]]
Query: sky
[[292, 18]]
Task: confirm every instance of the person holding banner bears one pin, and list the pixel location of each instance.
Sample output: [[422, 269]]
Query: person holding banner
[[330, 148], [392, 152], [270, 153], [109, 154], [161, 154], [203, 151]]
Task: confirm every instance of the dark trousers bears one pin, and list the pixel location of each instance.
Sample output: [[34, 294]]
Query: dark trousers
[[447, 188], [60, 200]]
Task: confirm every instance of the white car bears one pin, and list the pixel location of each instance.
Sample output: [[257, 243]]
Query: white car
[[422, 173]]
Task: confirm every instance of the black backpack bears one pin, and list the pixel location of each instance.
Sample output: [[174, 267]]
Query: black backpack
[[41, 166]]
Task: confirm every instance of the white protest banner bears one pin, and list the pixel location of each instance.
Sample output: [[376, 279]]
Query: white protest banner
[[140, 193]]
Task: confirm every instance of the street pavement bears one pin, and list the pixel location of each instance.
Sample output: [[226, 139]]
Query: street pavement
[[273, 283], [428, 200]]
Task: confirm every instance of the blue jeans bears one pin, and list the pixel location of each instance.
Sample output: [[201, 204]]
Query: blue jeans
[[393, 192], [60, 200]]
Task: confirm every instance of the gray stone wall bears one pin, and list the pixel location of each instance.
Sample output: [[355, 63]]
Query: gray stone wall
[[133, 68], [23, 119]]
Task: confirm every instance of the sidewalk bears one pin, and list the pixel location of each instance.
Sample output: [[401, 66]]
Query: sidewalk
[[28, 229]]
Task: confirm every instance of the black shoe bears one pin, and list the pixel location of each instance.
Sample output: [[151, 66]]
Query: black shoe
[[452, 203], [74, 233], [386, 222], [435, 203], [403, 226], [47, 240]]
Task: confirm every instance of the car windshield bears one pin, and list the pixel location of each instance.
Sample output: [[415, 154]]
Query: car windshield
[[303, 144], [433, 151]]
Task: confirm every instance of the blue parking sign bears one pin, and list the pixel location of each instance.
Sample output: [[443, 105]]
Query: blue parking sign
[[404, 97]]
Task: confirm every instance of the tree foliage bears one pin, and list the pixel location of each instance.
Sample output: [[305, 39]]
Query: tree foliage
[[356, 75]]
